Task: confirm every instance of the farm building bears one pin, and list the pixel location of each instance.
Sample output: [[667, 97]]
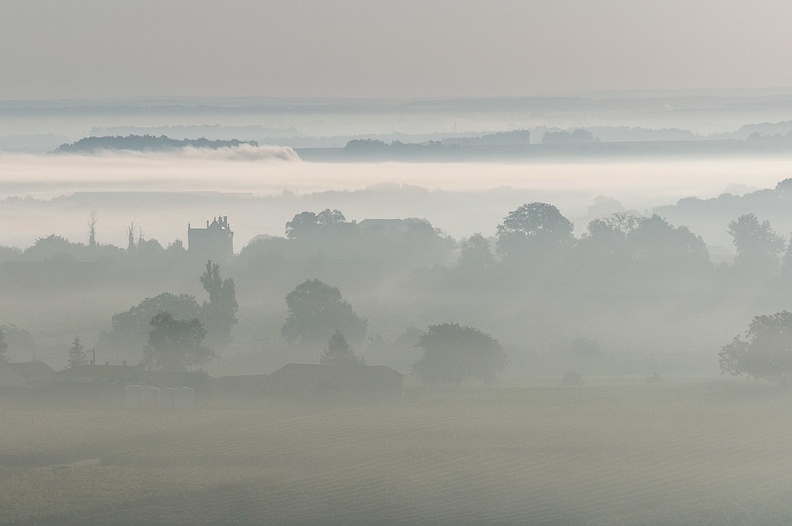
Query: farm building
[[302, 380], [99, 375], [35, 374], [122, 375], [11, 380], [243, 385]]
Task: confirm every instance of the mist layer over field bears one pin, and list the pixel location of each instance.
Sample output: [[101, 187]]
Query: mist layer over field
[[489, 190]]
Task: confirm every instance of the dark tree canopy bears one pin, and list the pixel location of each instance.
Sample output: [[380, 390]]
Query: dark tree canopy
[[17, 339], [130, 329], [658, 246], [454, 354], [532, 230], [758, 246], [175, 345], [316, 311], [766, 351], [51, 246], [338, 352], [646, 244], [329, 218], [307, 223], [606, 244], [475, 254], [301, 224], [142, 143]]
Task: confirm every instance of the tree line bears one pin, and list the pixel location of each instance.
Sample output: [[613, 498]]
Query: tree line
[[534, 262]]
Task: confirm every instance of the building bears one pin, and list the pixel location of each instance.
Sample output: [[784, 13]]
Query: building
[[363, 382], [215, 242], [99, 375], [10, 380], [34, 374]]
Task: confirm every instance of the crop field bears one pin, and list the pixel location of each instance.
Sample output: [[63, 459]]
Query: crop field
[[688, 453]]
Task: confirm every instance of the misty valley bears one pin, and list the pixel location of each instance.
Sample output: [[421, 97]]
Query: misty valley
[[439, 263], [377, 370], [568, 310]]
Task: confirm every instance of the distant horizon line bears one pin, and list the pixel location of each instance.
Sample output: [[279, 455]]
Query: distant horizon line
[[576, 94]]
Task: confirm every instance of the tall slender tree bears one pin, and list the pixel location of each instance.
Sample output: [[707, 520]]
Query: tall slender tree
[[220, 311], [77, 356]]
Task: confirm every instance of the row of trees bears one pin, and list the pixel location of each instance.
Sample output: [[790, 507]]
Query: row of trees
[[451, 354], [536, 235]]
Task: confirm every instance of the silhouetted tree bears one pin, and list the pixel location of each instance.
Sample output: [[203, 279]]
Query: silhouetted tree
[[130, 329], [605, 243], [301, 224], [92, 229], [307, 223], [758, 246], [316, 310], [766, 351], [77, 355], [175, 345], [454, 354], [329, 218], [568, 137], [423, 244], [658, 246], [131, 229], [534, 230], [220, 311], [18, 339], [475, 254], [50, 246], [338, 352]]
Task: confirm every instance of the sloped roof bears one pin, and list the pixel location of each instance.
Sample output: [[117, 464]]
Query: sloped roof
[[31, 370], [95, 370], [313, 370]]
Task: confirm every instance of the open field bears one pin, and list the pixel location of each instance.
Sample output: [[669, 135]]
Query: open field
[[697, 453]]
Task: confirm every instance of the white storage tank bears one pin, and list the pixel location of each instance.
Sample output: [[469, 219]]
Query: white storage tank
[[150, 397], [167, 398], [185, 398], [133, 396]]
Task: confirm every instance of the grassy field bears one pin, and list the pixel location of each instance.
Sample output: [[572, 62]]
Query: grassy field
[[693, 453]]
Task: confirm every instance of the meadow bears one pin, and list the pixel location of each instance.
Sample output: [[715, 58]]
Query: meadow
[[626, 453]]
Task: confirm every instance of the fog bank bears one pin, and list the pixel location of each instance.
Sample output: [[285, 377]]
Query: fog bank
[[460, 198]]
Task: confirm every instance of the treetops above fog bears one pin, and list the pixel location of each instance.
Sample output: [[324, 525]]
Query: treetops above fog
[[408, 272], [534, 234]]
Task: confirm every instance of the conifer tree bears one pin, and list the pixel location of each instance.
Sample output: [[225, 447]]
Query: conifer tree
[[77, 355]]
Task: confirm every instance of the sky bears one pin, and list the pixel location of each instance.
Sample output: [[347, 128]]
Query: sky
[[385, 48]]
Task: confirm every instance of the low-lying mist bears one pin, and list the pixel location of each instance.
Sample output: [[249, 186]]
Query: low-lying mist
[[460, 198]]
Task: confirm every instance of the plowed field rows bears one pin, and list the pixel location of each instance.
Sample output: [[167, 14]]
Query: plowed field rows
[[649, 454]]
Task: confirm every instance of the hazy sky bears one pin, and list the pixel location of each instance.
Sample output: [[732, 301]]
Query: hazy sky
[[387, 48]]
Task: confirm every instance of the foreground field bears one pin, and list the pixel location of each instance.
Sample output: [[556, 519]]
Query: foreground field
[[718, 453]]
